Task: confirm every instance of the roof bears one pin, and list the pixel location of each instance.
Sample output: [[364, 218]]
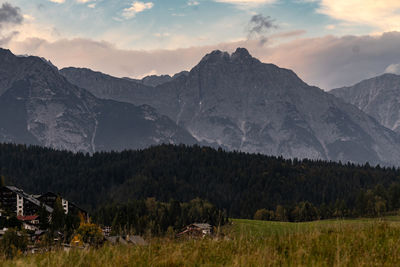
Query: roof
[[202, 225], [27, 218], [58, 195], [40, 232], [29, 198]]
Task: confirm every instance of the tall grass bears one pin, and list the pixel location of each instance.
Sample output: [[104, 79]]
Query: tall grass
[[250, 243]]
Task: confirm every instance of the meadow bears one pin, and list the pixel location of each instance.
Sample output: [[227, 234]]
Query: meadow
[[361, 242]]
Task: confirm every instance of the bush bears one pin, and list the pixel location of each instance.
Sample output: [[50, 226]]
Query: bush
[[263, 215], [90, 233], [13, 243]]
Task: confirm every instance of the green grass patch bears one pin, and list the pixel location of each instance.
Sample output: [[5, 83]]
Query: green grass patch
[[361, 242]]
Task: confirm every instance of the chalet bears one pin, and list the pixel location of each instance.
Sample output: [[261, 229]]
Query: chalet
[[106, 230], [30, 222], [32, 219], [16, 201], [197, 230]]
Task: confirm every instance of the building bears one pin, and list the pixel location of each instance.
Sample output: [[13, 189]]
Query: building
[[15, 200], [50, 200], [197, 230]]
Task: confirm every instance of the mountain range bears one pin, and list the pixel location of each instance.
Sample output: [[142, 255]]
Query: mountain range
[[229, 100], [239, 102], [39, 106]]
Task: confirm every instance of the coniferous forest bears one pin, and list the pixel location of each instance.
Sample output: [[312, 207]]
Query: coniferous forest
[[242, 185]]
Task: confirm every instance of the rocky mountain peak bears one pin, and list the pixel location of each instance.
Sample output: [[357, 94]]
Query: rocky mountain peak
[[240, 56], [215, 56]]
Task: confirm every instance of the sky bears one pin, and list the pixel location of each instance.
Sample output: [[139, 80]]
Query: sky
[[328, 43]]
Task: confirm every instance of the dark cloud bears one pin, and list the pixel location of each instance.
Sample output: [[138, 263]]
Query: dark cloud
[[10, 14], [259, 26]]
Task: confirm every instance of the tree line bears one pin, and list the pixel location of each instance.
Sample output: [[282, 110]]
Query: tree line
[[239, 183], [151, 217]]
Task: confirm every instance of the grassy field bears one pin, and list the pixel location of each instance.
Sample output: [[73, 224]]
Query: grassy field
[[363, 242]]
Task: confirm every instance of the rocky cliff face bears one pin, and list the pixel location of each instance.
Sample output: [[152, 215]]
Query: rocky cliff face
[[379, 97], [39, 106], [237, 101]]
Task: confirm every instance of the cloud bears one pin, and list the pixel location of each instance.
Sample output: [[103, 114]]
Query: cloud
[[10, 14], [381, 14], [5, 39], [259, 26], [193, 3], [247, 2], [135, 8], [331, 62], [393, 68], [327, 62], [57, 1]]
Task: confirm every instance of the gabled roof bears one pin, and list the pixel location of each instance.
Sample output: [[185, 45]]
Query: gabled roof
[[29, 198]]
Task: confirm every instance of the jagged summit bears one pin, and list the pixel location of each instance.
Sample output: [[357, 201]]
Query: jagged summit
[[241, 55], [243, 52], [215, 56]]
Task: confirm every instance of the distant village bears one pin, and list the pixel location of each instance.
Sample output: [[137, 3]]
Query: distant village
[[35, 217], [27, 207]]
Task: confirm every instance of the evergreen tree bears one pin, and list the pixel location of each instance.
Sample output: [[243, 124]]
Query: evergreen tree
[[43, 218], [58, 216]]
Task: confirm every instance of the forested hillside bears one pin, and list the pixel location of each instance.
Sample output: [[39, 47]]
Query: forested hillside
[[239, 183]]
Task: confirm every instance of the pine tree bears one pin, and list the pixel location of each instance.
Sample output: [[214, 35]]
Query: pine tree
[[58, 216]]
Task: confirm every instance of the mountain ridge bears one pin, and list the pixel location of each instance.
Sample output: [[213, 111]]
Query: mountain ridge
[[237, 101], [379, 97], [39, 106]]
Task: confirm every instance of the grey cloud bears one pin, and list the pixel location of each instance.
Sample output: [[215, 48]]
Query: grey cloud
[[259, 26], [331, 62], [5, 39], [10, 14]]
